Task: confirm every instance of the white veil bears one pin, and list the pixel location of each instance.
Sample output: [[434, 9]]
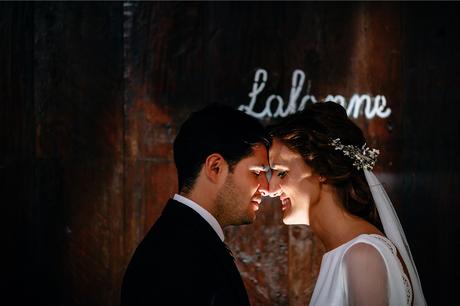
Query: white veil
[[394, 232]]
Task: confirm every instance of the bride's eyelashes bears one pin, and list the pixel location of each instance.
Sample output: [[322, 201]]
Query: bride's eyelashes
[[279, 171], [281, 174]]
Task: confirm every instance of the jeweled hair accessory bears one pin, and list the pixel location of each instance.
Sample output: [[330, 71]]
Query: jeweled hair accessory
[[363, 158]]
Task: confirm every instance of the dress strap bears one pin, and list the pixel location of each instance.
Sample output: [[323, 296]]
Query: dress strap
[[394, 251]]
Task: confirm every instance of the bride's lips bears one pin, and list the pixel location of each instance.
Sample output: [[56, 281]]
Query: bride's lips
[[285, 202]]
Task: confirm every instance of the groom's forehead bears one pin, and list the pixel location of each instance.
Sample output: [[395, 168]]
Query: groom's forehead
[[258, 160], [260, 152]]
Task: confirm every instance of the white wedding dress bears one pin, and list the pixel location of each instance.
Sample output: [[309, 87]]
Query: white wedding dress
[[364, 271]]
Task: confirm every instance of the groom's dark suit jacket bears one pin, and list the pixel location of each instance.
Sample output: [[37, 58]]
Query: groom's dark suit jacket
[[182, 261]]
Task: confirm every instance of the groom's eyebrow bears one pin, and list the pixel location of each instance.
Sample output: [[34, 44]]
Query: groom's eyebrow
[[263, 168]]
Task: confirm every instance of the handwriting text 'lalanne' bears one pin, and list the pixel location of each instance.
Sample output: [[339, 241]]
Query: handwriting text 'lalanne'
[[358, 104]]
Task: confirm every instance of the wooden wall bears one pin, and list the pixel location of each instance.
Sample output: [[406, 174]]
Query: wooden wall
[[92, 95]]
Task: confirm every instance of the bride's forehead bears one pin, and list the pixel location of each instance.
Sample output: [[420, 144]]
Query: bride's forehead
[[280, 153]]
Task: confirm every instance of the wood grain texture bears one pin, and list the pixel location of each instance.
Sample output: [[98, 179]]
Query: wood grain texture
[[79, 149]]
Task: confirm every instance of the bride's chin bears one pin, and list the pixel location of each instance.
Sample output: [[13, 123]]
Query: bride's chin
[[292, 220], [287, 219]]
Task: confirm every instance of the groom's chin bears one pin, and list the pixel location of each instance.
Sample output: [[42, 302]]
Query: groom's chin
[[251, 218], [248, 219]]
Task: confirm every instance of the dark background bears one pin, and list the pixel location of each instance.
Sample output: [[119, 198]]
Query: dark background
[[92, 95]]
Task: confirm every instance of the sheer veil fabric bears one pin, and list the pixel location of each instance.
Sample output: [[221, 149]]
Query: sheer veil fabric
[[395, 233]]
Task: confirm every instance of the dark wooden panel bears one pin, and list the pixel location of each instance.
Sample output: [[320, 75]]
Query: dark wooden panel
[[78, 96], [17, 166], [431, 181]]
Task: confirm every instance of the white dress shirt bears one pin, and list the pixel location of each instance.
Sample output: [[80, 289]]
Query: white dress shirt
[[203, 213]]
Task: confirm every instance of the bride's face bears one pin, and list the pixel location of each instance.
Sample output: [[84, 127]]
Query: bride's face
[[294, 182]]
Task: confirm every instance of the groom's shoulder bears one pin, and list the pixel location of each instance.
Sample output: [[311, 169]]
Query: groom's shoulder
[[177, 227], [177, 219]]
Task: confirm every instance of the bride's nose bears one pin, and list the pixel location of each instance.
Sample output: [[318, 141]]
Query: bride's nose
[[274, 188]]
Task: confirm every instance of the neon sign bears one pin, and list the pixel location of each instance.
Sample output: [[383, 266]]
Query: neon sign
[[356, 105]]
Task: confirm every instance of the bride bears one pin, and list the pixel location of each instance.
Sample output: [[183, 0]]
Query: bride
[[321, 170]]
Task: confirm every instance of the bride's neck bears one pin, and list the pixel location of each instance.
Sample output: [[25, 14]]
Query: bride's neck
[[335, 226]]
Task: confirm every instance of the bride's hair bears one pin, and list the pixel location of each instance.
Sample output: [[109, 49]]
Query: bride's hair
[[310, 133]]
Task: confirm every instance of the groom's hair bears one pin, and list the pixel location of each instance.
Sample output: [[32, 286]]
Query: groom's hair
[[218, 129]]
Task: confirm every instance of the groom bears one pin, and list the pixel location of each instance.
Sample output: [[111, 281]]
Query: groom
[[221, 159]]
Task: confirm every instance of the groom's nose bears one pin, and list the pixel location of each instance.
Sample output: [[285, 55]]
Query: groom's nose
[[263, 187]]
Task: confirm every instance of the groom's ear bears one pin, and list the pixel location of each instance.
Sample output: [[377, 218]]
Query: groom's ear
[[214, 167]]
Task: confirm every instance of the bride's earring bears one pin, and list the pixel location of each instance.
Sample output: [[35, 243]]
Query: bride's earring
[[322, 179]]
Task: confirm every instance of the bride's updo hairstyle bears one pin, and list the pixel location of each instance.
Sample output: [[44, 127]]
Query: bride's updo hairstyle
[[310, 133]]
